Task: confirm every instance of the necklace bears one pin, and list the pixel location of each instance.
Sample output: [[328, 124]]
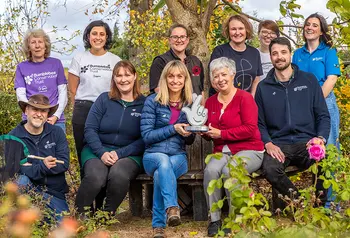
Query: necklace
[[174, 104]]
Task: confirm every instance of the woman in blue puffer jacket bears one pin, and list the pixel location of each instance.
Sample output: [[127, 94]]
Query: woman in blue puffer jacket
[[162, 129]]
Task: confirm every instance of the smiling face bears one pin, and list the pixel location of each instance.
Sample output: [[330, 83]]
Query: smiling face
[[124, 80], [237, 32], [37, 48], [222, 79], [265, 36], [280, 56], [98, 38], [178, 40], [36, 118], [312, 29], [176, 80]]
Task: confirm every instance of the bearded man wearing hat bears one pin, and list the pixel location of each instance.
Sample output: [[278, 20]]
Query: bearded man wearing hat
[[48, 141]]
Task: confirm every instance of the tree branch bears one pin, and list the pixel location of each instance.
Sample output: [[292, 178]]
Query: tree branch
[[207, 14]]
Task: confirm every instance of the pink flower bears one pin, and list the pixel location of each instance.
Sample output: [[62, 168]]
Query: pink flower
[[317, 152], [251, 195]]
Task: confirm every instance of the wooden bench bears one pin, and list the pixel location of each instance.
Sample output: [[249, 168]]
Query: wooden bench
[[194, 179]]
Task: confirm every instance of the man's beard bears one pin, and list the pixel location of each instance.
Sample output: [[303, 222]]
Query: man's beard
[[283, 67]]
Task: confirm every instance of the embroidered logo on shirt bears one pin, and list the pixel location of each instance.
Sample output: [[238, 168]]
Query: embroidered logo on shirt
[[135, 114], [274, 93], [49, 145], [317, 58], [300, 88]]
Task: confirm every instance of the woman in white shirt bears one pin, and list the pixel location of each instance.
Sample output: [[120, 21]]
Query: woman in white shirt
[[90, 75], [267, 31]]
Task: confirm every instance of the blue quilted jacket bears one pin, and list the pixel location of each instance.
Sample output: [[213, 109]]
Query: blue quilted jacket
[[160, 136]]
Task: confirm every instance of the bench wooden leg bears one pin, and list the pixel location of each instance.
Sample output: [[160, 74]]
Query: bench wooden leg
[[149, 196], [200, 210], [135, 199]]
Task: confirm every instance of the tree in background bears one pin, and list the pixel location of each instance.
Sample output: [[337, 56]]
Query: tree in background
[[120, 43]]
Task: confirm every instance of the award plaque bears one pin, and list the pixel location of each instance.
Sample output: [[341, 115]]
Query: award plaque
[[196, 115]]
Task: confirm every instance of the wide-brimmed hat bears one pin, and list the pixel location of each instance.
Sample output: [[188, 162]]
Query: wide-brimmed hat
[[39, 101]]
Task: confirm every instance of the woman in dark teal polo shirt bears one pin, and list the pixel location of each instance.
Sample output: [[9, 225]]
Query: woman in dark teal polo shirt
[[113, 154], [318, 57]]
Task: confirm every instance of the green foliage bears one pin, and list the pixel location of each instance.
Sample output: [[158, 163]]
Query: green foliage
[[119, 44], [342, 92], [99, 221], [249, 211], [341, 30], [10, 113], [147, 33]]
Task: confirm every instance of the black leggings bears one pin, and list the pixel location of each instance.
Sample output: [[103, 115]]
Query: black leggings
[[80, 113], [115, 178]]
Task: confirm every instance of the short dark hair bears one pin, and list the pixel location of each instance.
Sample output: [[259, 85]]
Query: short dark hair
[[177, 25], [325, 37], [241, 18], [88, 29], [280, 41], [271, 25]]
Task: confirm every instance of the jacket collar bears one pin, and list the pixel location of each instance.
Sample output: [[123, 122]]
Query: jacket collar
[[187, 53], [138, 101], [271, 79], [47, 129]]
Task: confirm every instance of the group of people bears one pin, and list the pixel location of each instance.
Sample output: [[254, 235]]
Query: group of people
[[263, 107]]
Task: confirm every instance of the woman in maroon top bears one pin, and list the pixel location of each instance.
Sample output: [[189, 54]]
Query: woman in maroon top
[[233, 127]]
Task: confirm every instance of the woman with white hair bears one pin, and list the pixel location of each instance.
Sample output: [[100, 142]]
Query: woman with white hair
[[42, 74], [233, 127]]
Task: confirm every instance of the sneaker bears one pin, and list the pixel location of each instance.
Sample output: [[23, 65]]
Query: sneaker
[[214, 228], [173, 214], [158, 232]]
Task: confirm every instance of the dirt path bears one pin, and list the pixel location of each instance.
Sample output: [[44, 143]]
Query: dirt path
[[136, 227]]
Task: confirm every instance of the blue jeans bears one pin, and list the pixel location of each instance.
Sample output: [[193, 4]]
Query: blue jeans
[[56, 205], [333, 138], [61, 125], [165, 170], [333, 110]]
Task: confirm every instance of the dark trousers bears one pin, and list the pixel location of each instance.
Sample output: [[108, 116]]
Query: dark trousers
[[274, 171], [115, 179], [80, 113]]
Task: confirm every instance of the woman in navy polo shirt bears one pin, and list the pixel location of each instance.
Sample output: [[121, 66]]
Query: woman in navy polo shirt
[[318, 57]]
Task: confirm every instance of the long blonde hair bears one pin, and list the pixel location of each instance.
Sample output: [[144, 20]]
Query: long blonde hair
[[163, 94]]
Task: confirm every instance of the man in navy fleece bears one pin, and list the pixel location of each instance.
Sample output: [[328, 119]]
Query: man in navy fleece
[[49, 141], [292, 111]]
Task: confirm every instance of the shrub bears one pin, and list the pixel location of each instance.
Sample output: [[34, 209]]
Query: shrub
[[10, 113]]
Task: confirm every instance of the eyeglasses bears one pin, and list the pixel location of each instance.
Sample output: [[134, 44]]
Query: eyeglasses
[[266, 33], [176, 38]]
